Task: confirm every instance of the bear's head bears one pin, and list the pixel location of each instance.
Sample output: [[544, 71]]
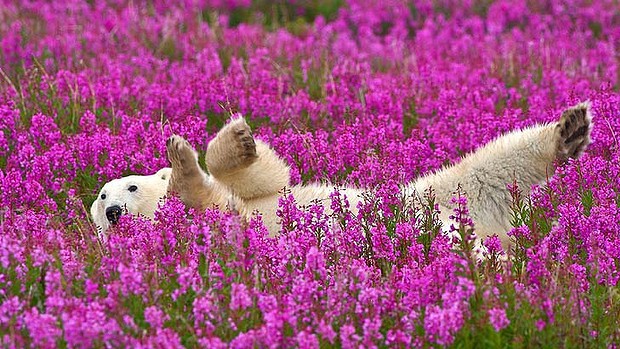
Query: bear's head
[[136, 195]]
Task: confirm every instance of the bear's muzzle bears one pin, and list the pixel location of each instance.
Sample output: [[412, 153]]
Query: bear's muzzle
[[113, 213]]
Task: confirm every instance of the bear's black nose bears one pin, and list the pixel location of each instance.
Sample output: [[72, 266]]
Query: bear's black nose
[[113, 213]]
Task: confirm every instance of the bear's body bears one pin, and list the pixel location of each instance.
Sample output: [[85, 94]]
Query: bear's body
[[249, 177], [255, 175], [246, 175], [525, 157]]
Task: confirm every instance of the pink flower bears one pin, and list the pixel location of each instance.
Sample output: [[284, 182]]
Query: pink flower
[[240, 298], [441, 324], [43, 328], [371, 94], [348, 337], [155, 317], [498, 319], [307, 340]]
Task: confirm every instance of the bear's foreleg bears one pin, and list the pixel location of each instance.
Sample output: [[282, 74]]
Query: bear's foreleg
[[187, 179], [248, 167], [232, 149]]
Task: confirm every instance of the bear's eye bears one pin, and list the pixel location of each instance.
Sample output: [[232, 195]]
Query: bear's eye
[[132, 188], [103, 196]]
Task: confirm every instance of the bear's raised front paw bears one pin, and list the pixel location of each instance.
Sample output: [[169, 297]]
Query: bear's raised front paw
[[245, 145], [574, 130], [232, 149], [181, 155]]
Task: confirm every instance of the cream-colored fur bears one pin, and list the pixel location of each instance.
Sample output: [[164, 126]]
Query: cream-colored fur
[[245, 175], [141, 201], [248, 176]]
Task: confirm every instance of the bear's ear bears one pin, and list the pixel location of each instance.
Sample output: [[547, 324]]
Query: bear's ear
[[236, 116], [164, 173]]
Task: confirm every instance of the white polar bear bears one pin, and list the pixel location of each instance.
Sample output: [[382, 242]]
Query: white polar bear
[[248, 176], [137, 195]]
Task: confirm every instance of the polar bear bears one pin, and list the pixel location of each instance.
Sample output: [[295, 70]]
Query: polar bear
[[138, 195], [248, 176]]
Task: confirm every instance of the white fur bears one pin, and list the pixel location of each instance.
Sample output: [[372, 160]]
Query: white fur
[[143, 201], [248, 175], [255, 180]]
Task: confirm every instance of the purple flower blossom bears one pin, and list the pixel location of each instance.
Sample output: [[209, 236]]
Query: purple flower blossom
[[240, 298], [493, 247], [498, 319], [43, 328], [307, 340], [441, 324], [155, 317], [348, 337], [363, 93]]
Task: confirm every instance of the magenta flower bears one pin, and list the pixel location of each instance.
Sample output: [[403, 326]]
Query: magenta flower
[[369, 94], [43, 328], [240, 298], [498, 319], [155, 317], [441, 324]]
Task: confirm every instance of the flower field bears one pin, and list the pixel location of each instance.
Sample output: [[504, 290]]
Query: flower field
[[365, 93]]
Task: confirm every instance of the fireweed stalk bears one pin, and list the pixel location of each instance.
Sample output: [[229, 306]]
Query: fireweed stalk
[[352, 92]]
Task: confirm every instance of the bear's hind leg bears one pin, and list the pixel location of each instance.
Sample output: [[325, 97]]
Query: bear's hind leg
[[573, 131]]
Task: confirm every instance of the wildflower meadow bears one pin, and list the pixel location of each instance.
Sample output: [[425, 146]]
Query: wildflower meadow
[[363, 93]]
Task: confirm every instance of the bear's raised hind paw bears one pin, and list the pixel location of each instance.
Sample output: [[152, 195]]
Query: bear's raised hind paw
[[574, 130]]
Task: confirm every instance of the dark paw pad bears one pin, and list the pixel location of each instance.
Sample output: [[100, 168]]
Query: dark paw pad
[[574, 129], [179, 151]]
